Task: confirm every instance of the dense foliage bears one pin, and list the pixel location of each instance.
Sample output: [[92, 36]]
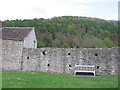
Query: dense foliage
[[71, 31]]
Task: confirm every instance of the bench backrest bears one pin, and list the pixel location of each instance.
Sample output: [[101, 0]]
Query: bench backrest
[[85, 67]]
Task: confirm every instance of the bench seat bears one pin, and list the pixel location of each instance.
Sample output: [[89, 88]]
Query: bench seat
[[84, 69]]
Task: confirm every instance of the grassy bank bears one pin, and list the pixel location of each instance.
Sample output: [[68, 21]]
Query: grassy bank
[[12, 79]]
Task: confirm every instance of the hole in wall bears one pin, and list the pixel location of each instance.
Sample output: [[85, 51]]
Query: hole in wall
[[96, 54], [69, 65], [97, 67], [44, 52], [27, 57], [48, 65], [68, 53]]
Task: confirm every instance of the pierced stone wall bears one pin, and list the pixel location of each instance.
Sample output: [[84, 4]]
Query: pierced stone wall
[[59, 60]]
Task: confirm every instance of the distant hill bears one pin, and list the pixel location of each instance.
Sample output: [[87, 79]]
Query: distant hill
[[71, 31]]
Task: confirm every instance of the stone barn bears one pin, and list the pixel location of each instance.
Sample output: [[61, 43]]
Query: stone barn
[[13, 40]]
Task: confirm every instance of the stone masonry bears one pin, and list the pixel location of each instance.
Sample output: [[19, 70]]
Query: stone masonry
[[11, 54], [59, 60]]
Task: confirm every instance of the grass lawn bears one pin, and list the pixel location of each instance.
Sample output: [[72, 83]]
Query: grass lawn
[[12, 79], [0, 80]]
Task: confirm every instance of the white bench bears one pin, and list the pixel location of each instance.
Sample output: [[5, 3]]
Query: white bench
[[84, 69]]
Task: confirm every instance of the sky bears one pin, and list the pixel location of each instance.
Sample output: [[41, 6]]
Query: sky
[[30, 9]]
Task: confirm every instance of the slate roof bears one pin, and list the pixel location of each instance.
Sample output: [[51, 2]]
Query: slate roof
[[15, 33]]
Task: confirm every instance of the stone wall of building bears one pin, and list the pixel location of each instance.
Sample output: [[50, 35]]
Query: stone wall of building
[[59, 60], [11, 54], [0, 51], [30, 40]]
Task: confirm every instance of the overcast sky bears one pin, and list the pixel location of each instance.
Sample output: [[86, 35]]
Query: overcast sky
[[29, 9]]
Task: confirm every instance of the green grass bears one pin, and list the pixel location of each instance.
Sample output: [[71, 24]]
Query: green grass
[[0, 80], [12, 79]]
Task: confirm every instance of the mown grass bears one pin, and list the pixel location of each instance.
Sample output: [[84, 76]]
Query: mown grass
[[12, 79], [0, 80]]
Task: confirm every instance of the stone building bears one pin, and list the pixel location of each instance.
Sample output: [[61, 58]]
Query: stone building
[[26, 35], [13, 40]]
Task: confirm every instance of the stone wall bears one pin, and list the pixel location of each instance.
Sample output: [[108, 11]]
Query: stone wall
[[11, 54], [59, 60], [0, 51]]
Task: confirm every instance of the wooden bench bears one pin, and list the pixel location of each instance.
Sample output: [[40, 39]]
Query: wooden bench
[[84, 69]]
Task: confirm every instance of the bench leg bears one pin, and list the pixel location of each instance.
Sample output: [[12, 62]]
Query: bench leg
[[94, 74], [74, 73]]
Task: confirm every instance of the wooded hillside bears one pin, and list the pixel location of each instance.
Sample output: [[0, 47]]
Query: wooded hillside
[[71, 31]]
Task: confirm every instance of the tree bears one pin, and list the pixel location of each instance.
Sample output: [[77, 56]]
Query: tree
[[108, 42], [69, 28]]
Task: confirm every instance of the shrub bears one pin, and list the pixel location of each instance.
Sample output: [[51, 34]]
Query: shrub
[[40, 45], [65, 45], [108, 42]]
